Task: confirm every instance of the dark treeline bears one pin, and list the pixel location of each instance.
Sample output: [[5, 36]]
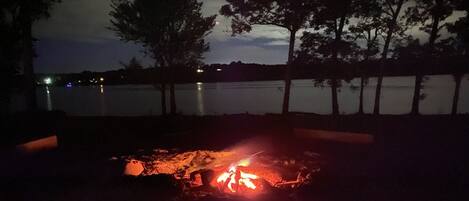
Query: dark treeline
[[237, 71]]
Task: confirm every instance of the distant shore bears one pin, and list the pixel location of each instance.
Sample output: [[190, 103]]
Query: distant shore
[[237, 72]]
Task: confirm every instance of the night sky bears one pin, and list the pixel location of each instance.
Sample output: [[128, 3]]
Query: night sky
[[75, 38]]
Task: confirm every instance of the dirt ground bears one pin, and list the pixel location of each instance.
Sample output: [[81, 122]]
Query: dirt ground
[[411, 157]]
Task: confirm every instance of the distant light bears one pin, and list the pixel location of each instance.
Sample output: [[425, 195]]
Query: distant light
[[79, 81], [200, 71], [69, 85], [217, 22], [199, 86], [101, 89], [101, 79], [48, 81], [218, 69]]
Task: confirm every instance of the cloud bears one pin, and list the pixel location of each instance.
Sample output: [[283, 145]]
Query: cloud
[[222, 31], [259, 50], [77, 20], [66, 56]]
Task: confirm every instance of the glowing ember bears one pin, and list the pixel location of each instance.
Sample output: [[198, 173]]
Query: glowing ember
[[236, 179]]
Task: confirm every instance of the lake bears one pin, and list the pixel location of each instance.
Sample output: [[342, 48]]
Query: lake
[[258, 97]]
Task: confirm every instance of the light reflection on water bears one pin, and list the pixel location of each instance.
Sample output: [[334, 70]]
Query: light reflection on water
[[49, 100], [252, 97], [200, 99]]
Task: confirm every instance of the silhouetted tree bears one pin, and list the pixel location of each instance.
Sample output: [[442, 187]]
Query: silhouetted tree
[[431, 14], [369, 29], [321, 48], [333, 20], [17, 18], [461, 42], [330, 43], [409, 50], [390, 12], [10, 55], [133, 64], [172, 32], [292, 15]]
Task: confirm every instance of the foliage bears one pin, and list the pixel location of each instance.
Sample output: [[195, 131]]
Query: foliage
[[16, 18], [290, 14], [461, 30], [330, 40], [410, 50], [316, 47], [369, 28], [172, 31], [133, 64], [426, 12]]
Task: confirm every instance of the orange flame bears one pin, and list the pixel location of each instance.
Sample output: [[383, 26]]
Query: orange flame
[[234, 178]]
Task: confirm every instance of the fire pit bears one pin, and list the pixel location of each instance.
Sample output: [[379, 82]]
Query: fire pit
[[226, 173]]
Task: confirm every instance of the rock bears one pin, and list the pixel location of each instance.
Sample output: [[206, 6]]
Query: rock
[[134, 168]]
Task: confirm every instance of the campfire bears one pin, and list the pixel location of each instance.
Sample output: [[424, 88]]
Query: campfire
[[225, 173]]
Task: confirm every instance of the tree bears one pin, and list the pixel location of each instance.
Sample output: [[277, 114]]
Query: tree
[[461, 29], [172, 32], [369, 29], [461, 41], [431, 14], [324, 49], [333, 20], [390, 12], [10, 56], [292, 15], [17, 18], [133, 64], [331, 43]]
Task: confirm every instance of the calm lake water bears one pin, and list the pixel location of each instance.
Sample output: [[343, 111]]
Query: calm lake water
[[251, 97]]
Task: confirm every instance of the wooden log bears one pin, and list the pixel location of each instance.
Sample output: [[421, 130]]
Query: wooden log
[[336, 136]]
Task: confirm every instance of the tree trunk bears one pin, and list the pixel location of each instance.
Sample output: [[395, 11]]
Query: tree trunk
[[419, 76], [28, 54], [416, 99], [434, 33], [172, 98], [286, 96], [436, 18], [457, 79], [376, 109], [335, 101], [172, 95], [162, 79], [334, 81], [163, 99], [362, 86]]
